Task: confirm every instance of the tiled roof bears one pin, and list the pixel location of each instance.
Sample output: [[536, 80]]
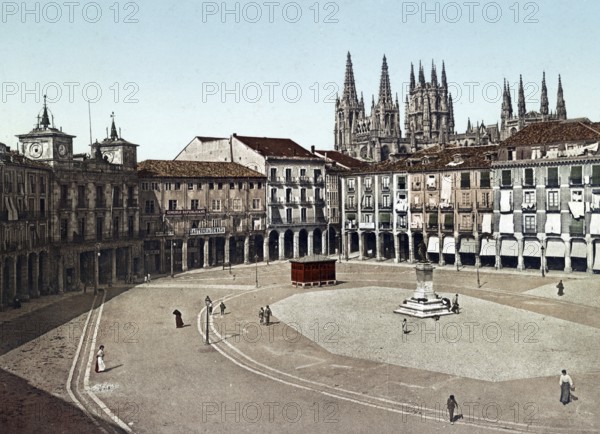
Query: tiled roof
[[343, 159], [194, 169], [555, 132], [436, 159], [271, 147]]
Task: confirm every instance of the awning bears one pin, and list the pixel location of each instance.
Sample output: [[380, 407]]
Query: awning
[[577, 209], [578, 249], [350, 216], [433, 245], [505, 199], [384, 217], [486, 224], [509, 248], [595, 224], [468, 245], [552, 223], [416, 221], [488, 247], [555, 249], [449, 246], [596, 265], [532, 248], [506, 224]]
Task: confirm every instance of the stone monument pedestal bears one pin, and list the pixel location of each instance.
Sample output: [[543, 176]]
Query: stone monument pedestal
[[424, 303]]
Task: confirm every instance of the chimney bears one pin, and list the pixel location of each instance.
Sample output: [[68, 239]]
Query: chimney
[[312, 149]]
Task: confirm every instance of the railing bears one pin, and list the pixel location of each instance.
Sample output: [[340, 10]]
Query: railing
[[350, 225], [465, 228], [385, 226], [432, 227], [552, 182], [528, 207], [431, 207], [448, 228], [31, 215], [351, 189], [319, 180], [528, 183], [402, 186], [595, 181], [402, 226], [385, 188], [465, 207], [350, 207], [485, 206], [369, 187], [506, 185], [576, 180], [296, 221], [594, 210], [529, 230], [304, 180], [385, 206], [576, 229], [552, 207], [416, 206], [415, 186], [447, 208]]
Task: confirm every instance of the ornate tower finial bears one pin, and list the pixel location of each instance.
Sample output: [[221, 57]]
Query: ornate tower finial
[[433, 74], [349, 85], [113, 128], [450, 115], [412, 77], [45, 123], [385, 90], [421, 75], [444, 83], [561, 108], [522, 110], [544, 96], [469, 125]]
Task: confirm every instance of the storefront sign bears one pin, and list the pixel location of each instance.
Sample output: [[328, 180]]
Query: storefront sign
[[207, 231], [185, 212]]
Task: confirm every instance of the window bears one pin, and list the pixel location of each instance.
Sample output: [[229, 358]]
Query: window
[[288, 175], [485, 200], [529, 197], [43, 184], [211, 185], [240, 185], [149, 207], [251, 185], [303, 195], [168, 186], [288, 215], [595, 175], [99, 227], [273, 195], [368, 202], [81, 196], [466, 221], [237, 204], [484, 179], [190, 185], [577, 196], [303, 173], [318, 177], [216, 223], [99, 197], [232, 185], [368, 182], [528, 177], [386, 201], [552, 176], [216, 205], [199, 186], [465, 180], [351, 184], [506, 178], [220, 186], [259, 185], [273, 174], [288, 195], [402, 183], [194, 204], [172, 205], [154, 186], [303, 215], [318, 194], [64, 229], [367, 218], [553, 199], [255, 203], [385, 182], [81, 228], [529, 223], [350, 201], [144, 186], [178, 185], [466, 199], [576, 178]]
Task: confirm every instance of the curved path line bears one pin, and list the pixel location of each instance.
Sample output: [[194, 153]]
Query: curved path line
[[513, 426], [86, 379]]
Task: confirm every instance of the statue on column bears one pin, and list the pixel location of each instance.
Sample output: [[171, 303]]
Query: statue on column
[[422, 252]]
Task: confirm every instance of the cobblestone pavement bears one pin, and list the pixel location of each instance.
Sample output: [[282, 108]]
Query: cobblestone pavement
[[273, 379]]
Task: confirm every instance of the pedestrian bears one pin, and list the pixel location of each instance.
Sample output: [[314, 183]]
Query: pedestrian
[[560, 287], [455, 306], [16, 302], [149, 278], [566, 385], [451, 404], [268, 314], [261, 315], [145, 279], [222, 307], [100, 366], [210, 308], [178, 320], [404, 326]]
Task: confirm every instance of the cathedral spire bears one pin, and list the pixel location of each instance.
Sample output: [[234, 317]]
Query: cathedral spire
[[544, 97], [349, 85], [450, 114], [113, 128], [385, 91], [412, 77], [444, 83], [561, 108], [521, 98], [433, 75], [45, 123], [421, 75], [468, 125]]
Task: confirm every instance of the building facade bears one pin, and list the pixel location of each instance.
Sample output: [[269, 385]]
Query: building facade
[[199, 214], [295, 188]]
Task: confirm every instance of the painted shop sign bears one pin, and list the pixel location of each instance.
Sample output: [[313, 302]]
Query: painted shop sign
[[185, 212], [207, 231]]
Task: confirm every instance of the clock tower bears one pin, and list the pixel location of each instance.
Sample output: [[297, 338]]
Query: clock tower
[[116, 150], [45, 143]]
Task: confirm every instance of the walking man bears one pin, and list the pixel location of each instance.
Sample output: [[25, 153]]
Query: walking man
[[455, 304], [261, 315], [404, 326], [560, 287], [222, 307], [451, 404], [268, 314]]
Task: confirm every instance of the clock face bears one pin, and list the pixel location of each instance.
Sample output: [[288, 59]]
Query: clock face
[[35, 150], [109, 156], [62, 150]]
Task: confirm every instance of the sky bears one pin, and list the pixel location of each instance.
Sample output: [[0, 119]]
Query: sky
[[175, 70]]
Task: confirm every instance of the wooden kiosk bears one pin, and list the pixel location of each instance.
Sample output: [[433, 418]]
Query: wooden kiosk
[[313, 270]]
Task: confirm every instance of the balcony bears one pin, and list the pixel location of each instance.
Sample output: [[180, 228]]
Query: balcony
[[366, 225], [449, 207], [416, 207], [595, 209], [553, 208], [401, 226], [529, 230], [507, 184], [431, 207], [385, 187], [385, 206], [528, 182], [465, 228], [351, 189], [275, 201], [484, 206], [431, 227], [552, 182], [528, 207], [385, 226], [31, 215], [576, 181], [304, 180], [350, 207], [415, 186], [319, 180], [350, 225], [368, 187], [576, 229], [275, 180], [595, 181], [448, 228], [465, 207], [64, 204]]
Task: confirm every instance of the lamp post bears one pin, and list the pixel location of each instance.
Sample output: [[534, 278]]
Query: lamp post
[[256, 267], [207, 301], [478, 284], [172, 274], [543, 265], [96, 268]]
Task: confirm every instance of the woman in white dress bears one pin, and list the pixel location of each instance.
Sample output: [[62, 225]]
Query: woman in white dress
[[100, 366]]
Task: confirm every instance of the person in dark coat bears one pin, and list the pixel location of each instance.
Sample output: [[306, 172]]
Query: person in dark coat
[[222, 307], [560, 287], [178, 320], [261, 315], [451, 404], [268, 314]]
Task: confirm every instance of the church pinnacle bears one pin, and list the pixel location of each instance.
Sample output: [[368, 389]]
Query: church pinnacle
[[113, 129], [45, 123], [349, 85], [521, 103], [544, 97], [561, 108], [385, 91]]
